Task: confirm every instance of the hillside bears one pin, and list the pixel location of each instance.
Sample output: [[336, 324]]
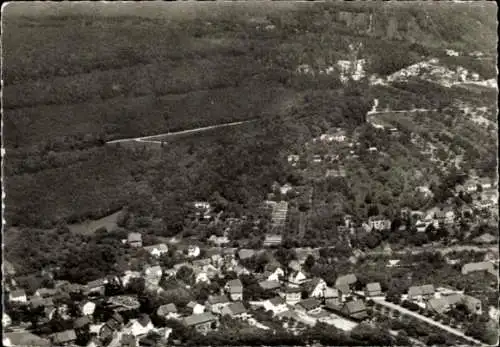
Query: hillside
[[74, 79]]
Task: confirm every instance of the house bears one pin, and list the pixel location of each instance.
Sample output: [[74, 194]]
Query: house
[[446, 215], [203, 322], [134, 240], [272, 240], [277, 305], [157, 250], [419, 293], [297, 278], [275, 274], [443, 304], [235, 310], [96, 287], [345, 283], [378, 223], [215, 303], [309, 306], [139, 327], [111, 326], [152, 274], [475, 267], [87, 308], [82, 322], [128, 275], [355, 310], [23, 338], [315, 288], [270, 285], [219, 240], [295, 265], [45, 292], [195, 307], [201, 276], [193, 251], [64, 338], [167, 311], [333, 295], [373, 289], [285, 188], [485, 183], [235, 289], [291, 295], [18, 295], [246, 253]]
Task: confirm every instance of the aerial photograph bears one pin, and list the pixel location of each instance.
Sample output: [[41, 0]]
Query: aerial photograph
[[250, 173]]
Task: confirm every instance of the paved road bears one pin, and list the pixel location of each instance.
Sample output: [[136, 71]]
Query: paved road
[[427, 320], [188, 131]]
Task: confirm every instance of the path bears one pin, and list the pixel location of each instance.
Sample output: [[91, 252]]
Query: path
[[188, 131], [427, 320]]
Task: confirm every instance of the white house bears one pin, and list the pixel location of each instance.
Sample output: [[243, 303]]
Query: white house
[[157, 250], [297, 278], [217, 302], [139, 327], [6, 321], [197, 308], [291, 295], [193, 251], [18, 295], [315, 288], [87, 308], [153, 274]]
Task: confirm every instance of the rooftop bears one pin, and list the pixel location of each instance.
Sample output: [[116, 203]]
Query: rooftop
[[196, 319]]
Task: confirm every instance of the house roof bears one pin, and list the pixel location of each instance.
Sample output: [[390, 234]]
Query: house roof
[[291, 290], [96, 283], [269, 285], [46, 292], [277, 300], [438, 304], [421, 290], [310, 285], [17, 293], [134, 237], [480, 266], [309, 304], [25, 338], [144, 320], [235, 285], [64, 336], [201, 318], [331, 293], [355, 306], [217, 299], [9, 268], [236, 308], [128, 340], [373, 287], [346, 279], [81, 322]]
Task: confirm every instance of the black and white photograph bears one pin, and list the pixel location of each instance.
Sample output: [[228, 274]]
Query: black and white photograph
[[249, 173]]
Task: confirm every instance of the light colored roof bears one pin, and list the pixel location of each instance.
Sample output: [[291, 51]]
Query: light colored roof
[[331, 293], [196, 319], [134, 237], [17, 293], [373, 287], [246, 253], [426, 289], [346, 279], [234, 285], [160, 247], [166, 309], [25, 338], [481, 266], [269, 285]]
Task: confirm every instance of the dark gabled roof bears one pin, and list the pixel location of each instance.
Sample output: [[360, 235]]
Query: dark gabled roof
[[291, 290], [277, 300], [310, 285], [236, 283], [309, 304], [217, 299], [355, 306], [236, 308]]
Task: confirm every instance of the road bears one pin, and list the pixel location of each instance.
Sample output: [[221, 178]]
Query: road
[[182, 132], [427, 320]]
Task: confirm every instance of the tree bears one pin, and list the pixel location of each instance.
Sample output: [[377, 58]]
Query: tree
[[185, 274], [309, 263]]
